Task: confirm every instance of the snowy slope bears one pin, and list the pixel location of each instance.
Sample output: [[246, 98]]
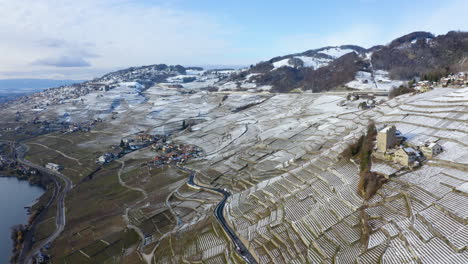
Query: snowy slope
[[314, 58], [336, 52]]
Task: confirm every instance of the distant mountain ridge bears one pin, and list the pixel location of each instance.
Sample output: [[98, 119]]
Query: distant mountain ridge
[[404, 58], [421, 53], [316, 70]]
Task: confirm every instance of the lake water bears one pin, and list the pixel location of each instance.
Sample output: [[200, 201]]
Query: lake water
[[14, 196]]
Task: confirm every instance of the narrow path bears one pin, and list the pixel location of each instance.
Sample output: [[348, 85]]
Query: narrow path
[[127, 210], [119, 174], [232, 141], [66, 139], [168, 204], [59, 152]]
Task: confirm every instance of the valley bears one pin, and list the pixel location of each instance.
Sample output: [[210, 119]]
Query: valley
[[167, 164]]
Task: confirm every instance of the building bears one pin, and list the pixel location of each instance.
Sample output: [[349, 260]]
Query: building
[[145, 137], [105, 158], [387, 138], [148, 239], [54, 167], [431, 149], [424, 84], [424, 89], [445, 81], [406, 156]]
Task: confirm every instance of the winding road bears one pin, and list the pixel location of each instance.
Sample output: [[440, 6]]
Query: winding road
[[63, 188], [218, 212], [64, 185]]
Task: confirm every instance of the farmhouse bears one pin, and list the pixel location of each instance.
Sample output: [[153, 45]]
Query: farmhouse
[[54, 167], [105, 158], [431, 149], [406, 156]]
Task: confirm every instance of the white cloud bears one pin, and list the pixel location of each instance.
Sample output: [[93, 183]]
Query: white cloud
[[40, 37], [39, 34], [62, 61]]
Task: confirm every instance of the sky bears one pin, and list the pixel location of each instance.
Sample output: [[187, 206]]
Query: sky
[[82, 39]]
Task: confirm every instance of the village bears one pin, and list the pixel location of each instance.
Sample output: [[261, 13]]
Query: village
[[7, 162], [167, 152], [363, 99]]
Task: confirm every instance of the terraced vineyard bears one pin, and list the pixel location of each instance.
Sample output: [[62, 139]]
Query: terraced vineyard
[[307, 209], [294, 194]]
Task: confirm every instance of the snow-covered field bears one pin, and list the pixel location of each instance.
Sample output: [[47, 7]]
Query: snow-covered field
[[378, 80], [312, 62], [336, 52], [280, 156], [199, 79], [315, 61]]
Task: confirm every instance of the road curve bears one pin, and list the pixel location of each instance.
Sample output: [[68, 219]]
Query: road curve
[[65, 186], [218, 212]]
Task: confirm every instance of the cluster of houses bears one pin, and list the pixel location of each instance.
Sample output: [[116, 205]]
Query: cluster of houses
[[8, 163], [423, 86], [59, 95], [368, 100], [84, 127], [9, 129], [391, 146], [460, 78], [130, 144], [169, 153], [142, 140]]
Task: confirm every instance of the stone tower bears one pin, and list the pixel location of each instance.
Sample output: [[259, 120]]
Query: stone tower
[[386, 138]]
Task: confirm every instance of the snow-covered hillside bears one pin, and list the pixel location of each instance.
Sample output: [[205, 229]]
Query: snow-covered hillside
[[337, 52], [293, 66], [312, 62], [197, 79], [314, 58], [376, 80]]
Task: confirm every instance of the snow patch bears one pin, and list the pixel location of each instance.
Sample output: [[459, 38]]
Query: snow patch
[[336, 52], [362, 81], [281, 63], [314, 63]]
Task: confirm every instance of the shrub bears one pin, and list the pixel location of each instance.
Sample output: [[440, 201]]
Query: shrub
[[399, 91], [366, 178]]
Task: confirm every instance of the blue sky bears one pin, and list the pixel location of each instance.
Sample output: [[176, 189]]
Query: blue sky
[[83, 39]]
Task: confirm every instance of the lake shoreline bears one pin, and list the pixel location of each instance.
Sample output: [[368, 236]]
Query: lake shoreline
[[21, 233]]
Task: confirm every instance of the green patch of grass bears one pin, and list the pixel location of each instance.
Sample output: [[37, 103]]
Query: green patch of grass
[[100, 252], [76, 258], [44, 229], [98, 203]]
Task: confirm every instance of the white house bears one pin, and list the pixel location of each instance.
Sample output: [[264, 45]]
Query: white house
[[53, 166], [431, 149], [105, 158], [406, 156]]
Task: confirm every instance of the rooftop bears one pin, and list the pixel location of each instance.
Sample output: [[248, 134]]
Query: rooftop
[[386, 129]]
